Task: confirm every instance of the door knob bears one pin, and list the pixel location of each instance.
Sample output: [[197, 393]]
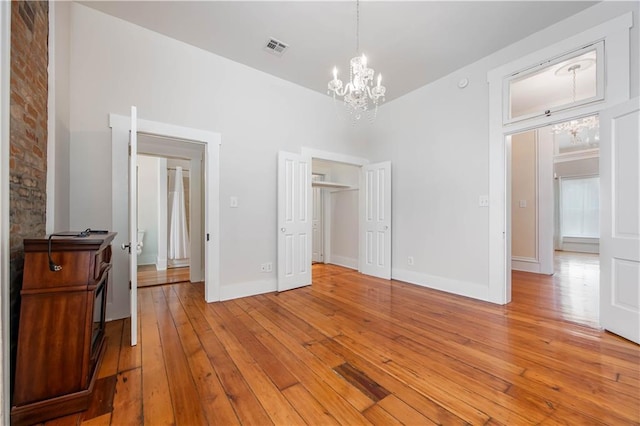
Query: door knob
[[283, 230]]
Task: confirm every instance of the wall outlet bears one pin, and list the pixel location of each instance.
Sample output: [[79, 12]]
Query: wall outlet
[[233, 202], [410, 260], [483, 201], [266, 267]]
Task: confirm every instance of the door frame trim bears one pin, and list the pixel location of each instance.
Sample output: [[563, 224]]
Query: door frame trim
[[5, 49], [324, 199], [212, 142], [316, 154], [615, 32]]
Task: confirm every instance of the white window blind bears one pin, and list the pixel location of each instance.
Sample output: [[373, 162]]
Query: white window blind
[[580, 207]]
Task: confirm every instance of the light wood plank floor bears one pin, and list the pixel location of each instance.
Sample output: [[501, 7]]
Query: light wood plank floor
[[352, 349], [149, 276], [576, 287]]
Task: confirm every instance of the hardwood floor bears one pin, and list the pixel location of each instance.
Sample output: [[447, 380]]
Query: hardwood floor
[[149, 276], [352, 349], [572, 292], [577, 286]]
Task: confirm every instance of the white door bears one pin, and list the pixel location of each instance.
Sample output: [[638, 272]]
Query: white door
[[620, 220], [133, 224], [294, 221], [317, 222], [375, 220]]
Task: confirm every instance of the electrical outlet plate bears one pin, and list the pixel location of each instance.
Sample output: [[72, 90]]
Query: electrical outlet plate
[[483, 201], [410, 260]]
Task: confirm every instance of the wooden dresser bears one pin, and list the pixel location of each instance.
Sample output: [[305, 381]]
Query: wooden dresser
[[61, 332]]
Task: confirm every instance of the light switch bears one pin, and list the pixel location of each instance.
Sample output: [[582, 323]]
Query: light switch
[[523, 204], [233, 202], [483, 201]]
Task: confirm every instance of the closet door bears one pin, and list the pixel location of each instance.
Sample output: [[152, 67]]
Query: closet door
[[375, 220], [294, 221]]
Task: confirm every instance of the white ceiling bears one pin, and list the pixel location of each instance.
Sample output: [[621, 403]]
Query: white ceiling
[[411, 43]]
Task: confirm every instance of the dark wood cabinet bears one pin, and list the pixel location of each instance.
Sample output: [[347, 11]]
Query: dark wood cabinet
[[61, 331]]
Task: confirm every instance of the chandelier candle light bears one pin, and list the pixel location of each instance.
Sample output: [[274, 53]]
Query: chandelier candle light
[[360, 90]]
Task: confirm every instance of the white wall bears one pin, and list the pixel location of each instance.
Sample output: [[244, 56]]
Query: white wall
[[581, 167], [58, 146], [344, 215], [115, 64], [148, 205], [437, 140], [344, 228]]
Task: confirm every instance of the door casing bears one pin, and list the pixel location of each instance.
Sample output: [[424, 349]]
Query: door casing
[[615, 32], [117, 305], [316, 154]]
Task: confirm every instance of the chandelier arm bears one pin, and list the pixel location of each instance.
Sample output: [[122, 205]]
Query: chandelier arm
[[340, 92]]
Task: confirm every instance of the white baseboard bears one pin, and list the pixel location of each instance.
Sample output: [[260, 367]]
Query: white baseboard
[[525, 264], [178, 263], [249, 288], [462, 288], [581, 245], [161, 263], [347, 262]]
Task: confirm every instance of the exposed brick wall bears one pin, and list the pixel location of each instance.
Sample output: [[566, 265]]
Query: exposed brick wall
[[28, 144]]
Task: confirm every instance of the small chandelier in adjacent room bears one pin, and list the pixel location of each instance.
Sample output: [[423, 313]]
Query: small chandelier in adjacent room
[[359, 94], [577, 126]]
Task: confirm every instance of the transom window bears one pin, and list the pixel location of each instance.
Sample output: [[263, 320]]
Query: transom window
[[571, 80]]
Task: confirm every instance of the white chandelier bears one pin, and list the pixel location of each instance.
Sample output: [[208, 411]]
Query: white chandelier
[[577, 126], [359, 92]]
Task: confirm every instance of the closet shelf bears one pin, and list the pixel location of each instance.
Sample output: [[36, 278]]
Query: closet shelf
[[326, 184]]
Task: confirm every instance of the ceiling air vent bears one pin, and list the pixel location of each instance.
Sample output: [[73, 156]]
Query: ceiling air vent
[[275, 47]]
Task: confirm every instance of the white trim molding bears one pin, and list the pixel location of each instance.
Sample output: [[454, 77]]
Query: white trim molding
[[525, 264], [346, 262], [333, 156], [580, 244], [120, 126], [615, 34], [248, 288], [462, 288], [577, 155], [5, 49]]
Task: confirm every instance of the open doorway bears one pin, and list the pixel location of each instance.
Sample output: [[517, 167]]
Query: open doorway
[[555, 210], [295, 225], [335, 188], [173, 210], [165, 211]]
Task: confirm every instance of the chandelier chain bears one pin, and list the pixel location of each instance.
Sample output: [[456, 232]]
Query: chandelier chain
[[574, 85], [357, 27]]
